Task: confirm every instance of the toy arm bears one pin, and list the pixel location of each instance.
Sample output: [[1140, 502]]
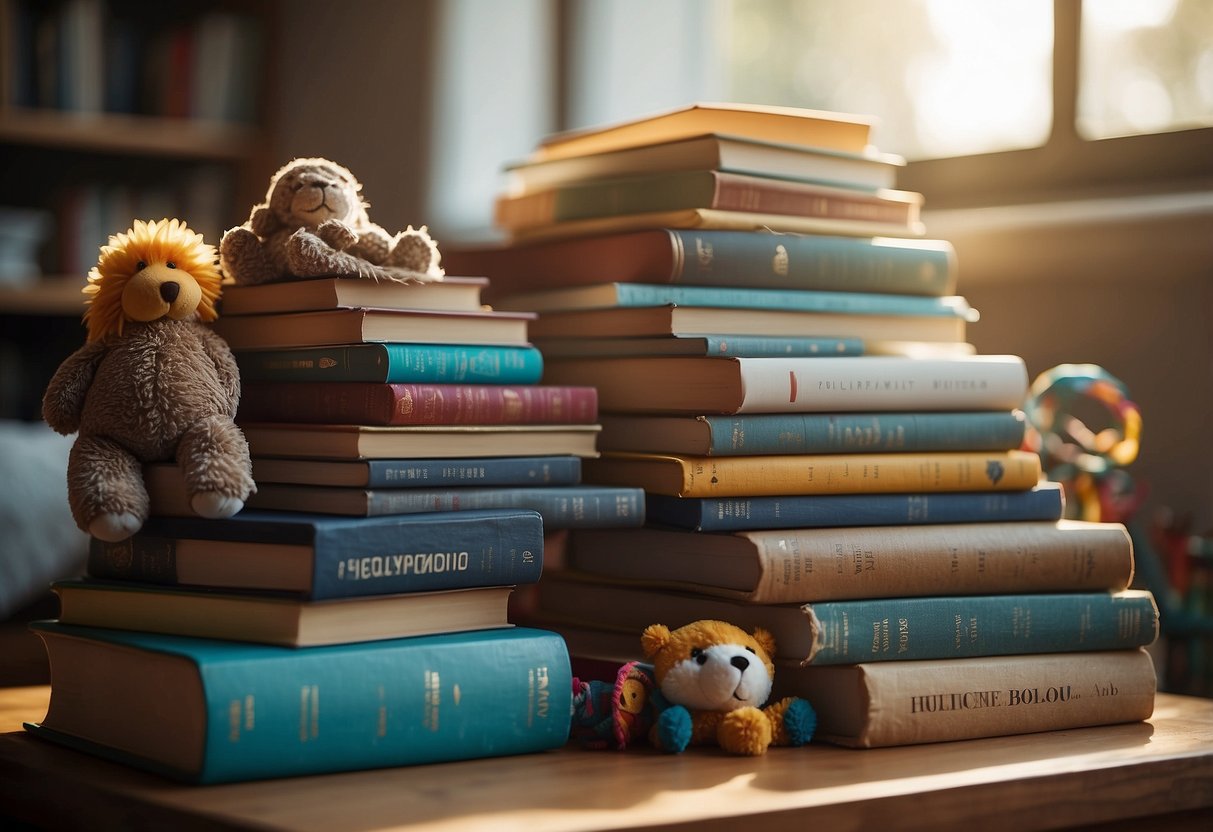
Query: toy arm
[[63, 402], [373, 245], [225, 365], [262, 221]]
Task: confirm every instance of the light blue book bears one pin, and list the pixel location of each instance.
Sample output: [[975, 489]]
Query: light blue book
[[395, 363], [214, 711]]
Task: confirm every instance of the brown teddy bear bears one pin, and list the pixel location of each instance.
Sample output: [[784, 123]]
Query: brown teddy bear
[[314, 223], [151, 383], [715, 677]]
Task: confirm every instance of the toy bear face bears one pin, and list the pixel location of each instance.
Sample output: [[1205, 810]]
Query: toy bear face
[[307, 192], [711, 665]]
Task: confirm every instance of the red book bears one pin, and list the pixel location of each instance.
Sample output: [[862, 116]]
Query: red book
[[417, 404]]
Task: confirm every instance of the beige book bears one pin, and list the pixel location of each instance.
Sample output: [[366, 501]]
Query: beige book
[[460, 294], [351, 442]]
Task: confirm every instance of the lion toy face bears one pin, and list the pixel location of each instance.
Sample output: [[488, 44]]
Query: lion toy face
[[308, 192], [711, 665]]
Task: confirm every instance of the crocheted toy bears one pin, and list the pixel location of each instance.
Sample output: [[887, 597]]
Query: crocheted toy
[[715, 678], [314, 223], [151, 383], [614, 714]]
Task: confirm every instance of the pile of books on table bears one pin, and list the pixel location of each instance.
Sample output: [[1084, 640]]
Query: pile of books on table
[[823, 453]]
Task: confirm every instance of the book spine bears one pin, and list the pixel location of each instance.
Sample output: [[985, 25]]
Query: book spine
[[845, 303], [775, 196], [829, 263], [782, 512], [757, 346], [826, 433], [395, 363], [895, 703], [904, 629], [539, 470], [418, 404], [568, 507]]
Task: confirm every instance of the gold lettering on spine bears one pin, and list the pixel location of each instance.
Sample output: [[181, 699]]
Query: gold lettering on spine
[[433, 699], [309, 712]]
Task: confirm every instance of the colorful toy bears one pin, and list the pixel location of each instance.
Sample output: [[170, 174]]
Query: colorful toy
[[151, 383], [617, 713], [314, 223]]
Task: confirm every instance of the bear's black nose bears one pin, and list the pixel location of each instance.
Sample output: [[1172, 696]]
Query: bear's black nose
[[169, 291], [740, 662]]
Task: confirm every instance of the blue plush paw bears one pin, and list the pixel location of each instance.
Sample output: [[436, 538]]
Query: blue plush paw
[[800, 721], [674, 729]]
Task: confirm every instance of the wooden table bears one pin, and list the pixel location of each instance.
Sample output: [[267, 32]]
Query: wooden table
[[1162, 769]]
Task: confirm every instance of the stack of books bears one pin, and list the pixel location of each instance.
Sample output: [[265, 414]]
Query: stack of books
[[823, 453]]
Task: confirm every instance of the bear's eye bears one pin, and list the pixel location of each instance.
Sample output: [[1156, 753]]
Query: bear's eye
[[699, 656], [751, 649], [171, 264]]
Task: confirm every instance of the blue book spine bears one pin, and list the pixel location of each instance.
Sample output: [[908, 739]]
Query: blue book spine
[[395, 363], [847, 303], [352, 556], [757, 346], [903, 629], [279, 712], [1045, 502], [562, 507], [409, 473], [826, 433]]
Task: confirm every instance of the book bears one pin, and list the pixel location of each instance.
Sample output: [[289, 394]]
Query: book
[[449, 294], [765, 476], [349, 326], [609, 295], [781, 566], [697, 320], [875, 629], [755, 259], [719, 190], [370, 403], [718, 514], [395, 363], [281, 620], [813, 433], [698, 386], [740, 346], [880, 704], [868, 169], [399, 473], [791, 125], [351, 442], [320, 557], [210, 711]]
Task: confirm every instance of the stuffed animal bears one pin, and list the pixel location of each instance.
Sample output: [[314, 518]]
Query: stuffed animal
[[151, 383], [314, 223], [715, 677], [614, 714]]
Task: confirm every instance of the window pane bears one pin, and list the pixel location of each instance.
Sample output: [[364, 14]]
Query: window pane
[[943, 77], [1146, 66]]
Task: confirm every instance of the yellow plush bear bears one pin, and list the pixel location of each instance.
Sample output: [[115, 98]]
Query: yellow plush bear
[[715, 679]]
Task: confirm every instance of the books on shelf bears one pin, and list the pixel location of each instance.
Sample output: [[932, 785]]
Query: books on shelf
[[719, 514], [399, 362], [210, 711], [780, 566], [367, 403], [698, 386], [398, 473], [876, 629], [739, 346], [282, 620], [452, 294], [790, 474], [813, 433], [420, 441], [321, 557], [360, 325]]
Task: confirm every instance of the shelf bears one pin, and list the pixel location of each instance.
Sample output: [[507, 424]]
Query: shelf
[[47, 296]]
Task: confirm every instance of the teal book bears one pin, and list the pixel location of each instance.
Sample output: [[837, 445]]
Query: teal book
[[395, 363], [408, 473], [207, 711], [813, 433]]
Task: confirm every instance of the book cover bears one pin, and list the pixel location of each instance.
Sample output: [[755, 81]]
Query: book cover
[[233, 712], [349, 442], [366, 403], [766, 476], [719, 514], [323, 556], [395, 363], [452, 293], [400, 473], [740, 346], [879, 629], [782, 566], [815, 433], [705, 257], [699, 386], [879, 704]]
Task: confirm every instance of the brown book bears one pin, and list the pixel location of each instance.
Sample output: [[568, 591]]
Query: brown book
[[455, 294]]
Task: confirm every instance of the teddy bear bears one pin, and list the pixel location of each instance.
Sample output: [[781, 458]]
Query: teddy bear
[[314, 223], [151, 383], [715, 678]]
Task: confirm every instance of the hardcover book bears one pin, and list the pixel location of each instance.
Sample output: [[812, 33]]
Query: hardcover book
[[395, 363], [212, 711], [320, 556], [454, 294], [781, 566], [740, 346], [396, 473], [349, 442]]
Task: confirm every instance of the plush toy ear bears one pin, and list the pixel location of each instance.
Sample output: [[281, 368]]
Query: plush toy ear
[[765, 640], [654, 637]]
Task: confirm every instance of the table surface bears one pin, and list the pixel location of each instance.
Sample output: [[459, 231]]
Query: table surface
[[1050, 780]]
